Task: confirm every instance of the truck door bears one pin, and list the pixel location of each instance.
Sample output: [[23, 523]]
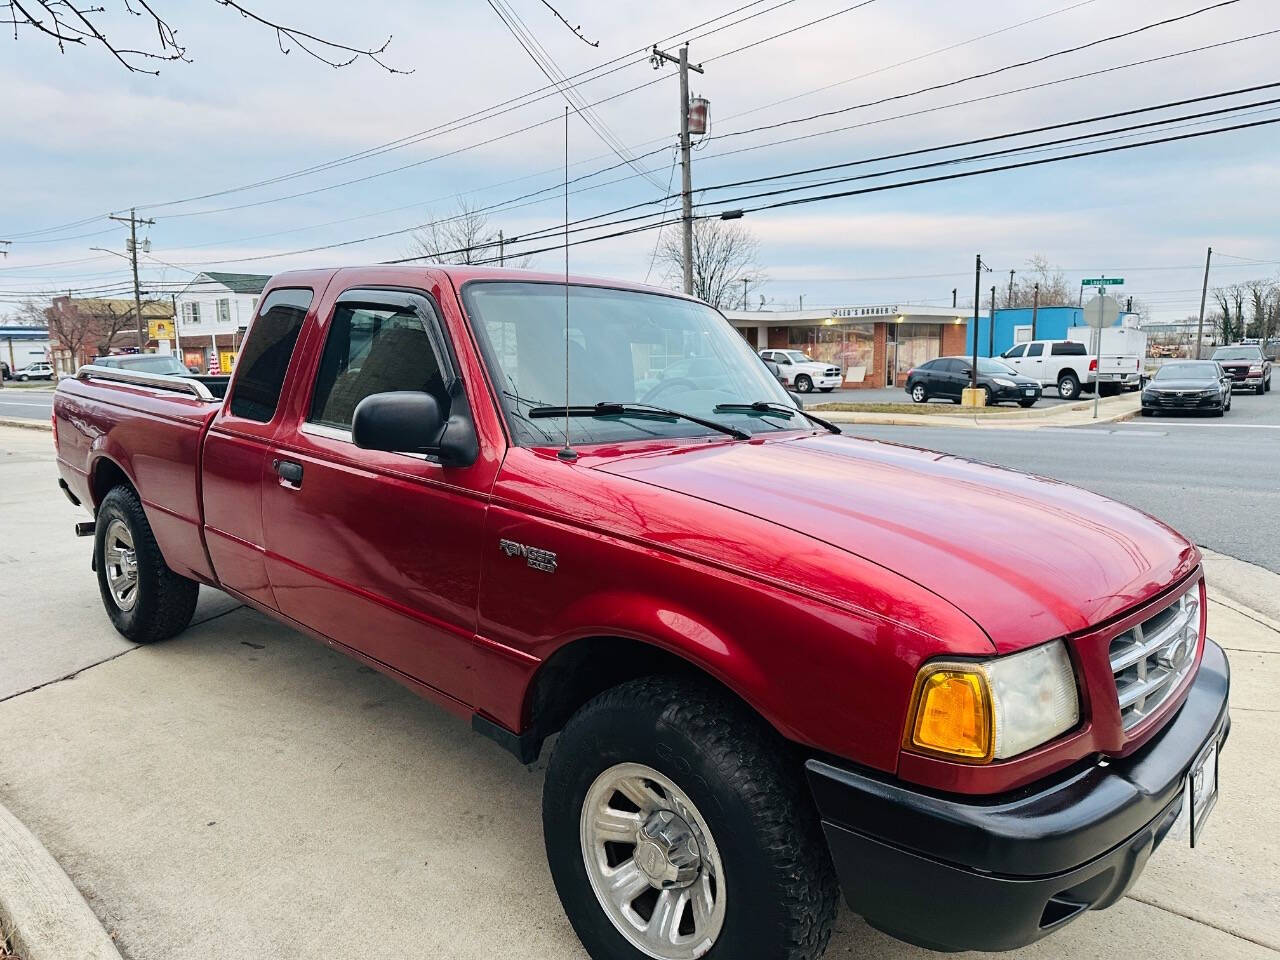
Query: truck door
[[236, 448], [1033, 364], [377, 551]]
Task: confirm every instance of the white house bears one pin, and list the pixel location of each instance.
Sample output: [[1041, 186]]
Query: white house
[[212, 313]]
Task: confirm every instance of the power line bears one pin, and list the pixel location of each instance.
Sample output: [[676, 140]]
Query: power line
[[986, 73]]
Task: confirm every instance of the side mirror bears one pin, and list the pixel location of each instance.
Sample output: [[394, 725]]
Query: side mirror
[[409, 421]]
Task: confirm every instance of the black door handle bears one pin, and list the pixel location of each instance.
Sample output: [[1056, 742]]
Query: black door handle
[[289, 472]]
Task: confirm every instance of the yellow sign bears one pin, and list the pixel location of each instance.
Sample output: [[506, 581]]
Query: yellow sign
[[228, 360], [160, 329]]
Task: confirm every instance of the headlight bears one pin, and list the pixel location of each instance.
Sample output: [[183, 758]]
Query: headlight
[[1001, 381], [1255, 371], [993, 709]]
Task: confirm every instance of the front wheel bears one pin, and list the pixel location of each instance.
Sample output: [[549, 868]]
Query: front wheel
[[1262, 388], [22, 378], [804, 383], [677, 826], [145, 600], [919, 394], [1026, 403]]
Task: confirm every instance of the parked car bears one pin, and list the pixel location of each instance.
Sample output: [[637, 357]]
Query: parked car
[[803, 374], [777, 659], [165, 364], [34, 371], [5, 372], [1064, 365], [1188, 385], [947, 377], [1247, 366]]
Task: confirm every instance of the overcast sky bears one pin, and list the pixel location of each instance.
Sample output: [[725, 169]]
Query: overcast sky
[[84, 138]]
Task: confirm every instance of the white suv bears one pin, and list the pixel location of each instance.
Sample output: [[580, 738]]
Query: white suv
[[801, 373], [34, 371]]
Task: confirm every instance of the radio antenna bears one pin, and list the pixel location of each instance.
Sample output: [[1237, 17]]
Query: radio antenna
[[566, 452]]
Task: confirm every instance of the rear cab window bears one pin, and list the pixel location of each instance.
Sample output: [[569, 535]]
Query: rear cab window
[[1069, 348], [268, 348]]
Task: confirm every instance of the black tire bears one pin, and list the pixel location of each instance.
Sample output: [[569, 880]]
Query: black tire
[[778, 881], [1026, 403], [22, 378], [1068, 387], [987, 399], [804, 383], [1147, 413], [1261, 389], [919, 393], [164, 601]]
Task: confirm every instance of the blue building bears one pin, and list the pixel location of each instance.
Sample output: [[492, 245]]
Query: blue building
[[1013, 325]]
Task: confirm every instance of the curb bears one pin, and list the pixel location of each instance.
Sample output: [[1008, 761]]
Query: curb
[[47, 917], [26, 424], [1060, 416]]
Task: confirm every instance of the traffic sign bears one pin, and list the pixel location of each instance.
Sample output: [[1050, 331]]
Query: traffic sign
[[1103, 282], [1101, 311]]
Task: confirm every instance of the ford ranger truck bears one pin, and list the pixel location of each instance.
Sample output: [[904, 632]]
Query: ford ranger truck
[[779, 663]]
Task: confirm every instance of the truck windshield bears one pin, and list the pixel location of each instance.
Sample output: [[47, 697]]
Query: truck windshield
[[1238, 353], [624, 347]]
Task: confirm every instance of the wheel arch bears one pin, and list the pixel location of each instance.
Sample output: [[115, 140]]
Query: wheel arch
[[583, 668], [105, 474]]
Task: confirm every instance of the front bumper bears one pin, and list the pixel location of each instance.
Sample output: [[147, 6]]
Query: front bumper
[[1006, 394], [827, 383], [997, 873], [1250, 382], [1165, 401]]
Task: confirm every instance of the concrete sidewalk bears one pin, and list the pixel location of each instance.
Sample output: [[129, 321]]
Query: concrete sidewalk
[[1077, 414], [241, 791]]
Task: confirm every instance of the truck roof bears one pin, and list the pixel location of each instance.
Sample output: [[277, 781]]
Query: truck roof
[[457, 273]]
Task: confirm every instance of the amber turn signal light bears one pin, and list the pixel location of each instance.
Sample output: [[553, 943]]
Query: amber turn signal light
[[952, 714]]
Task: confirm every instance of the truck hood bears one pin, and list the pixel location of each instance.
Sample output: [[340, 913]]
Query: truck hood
[[1027, 558]]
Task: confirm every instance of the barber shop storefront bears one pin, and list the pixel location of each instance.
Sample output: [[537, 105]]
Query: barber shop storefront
[[874, 346]]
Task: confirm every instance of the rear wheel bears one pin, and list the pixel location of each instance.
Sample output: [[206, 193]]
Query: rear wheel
[[677, 827], [1068, 386], [919, 394], [145, 600], [804, 384]]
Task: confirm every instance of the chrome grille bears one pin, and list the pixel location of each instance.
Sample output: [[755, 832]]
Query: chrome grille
[[1151, 658]]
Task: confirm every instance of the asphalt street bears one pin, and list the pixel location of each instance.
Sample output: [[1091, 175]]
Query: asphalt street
[[1217, 481], [26, 403]]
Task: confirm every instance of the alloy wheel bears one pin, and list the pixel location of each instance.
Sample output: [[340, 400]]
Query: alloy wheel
[[121, 562]]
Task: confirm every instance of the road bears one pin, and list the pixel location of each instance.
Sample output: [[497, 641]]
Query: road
[[1217, 481], [26, 403]]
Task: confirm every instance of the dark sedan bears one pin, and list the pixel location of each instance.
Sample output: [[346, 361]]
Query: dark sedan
[[1190, 386], [946, 378]]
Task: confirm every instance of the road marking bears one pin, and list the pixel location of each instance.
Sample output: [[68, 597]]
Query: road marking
[[5, 402], [1219, 426]]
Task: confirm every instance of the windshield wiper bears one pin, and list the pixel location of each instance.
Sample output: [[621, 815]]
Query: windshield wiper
[[607, 409], [769, 406]]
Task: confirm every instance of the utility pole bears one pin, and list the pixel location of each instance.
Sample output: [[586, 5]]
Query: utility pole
[[745, 281], [686, 172], [1204, 293], [1035, 309], [991, 326], [977, 300], [1009, 302], [502, 253], [133, 222], [953, 297]]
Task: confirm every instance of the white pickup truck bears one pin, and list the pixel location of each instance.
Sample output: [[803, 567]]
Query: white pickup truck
[[1123, 356], [799, 372], [1063, 364]]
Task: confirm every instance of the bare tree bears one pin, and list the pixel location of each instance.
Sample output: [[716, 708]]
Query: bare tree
[[465, 236], [1229, 322], [724, 255], [1055, 290], [29, 313], [67, 22], [77, 324]]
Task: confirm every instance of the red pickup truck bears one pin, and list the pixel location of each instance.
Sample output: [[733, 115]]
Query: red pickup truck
[[779, 662]]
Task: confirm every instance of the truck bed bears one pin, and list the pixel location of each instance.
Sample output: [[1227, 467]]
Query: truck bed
[[151, 434]]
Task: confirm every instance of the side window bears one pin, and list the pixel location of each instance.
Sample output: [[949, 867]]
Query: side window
[[264, 358], [1068, 348], [1017, 351], [1035, 350], [373, 349]]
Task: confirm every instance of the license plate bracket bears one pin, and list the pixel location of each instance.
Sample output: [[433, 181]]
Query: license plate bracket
[[1202, 789]]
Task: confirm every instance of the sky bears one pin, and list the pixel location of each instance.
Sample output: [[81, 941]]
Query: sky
[[190, 147]]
